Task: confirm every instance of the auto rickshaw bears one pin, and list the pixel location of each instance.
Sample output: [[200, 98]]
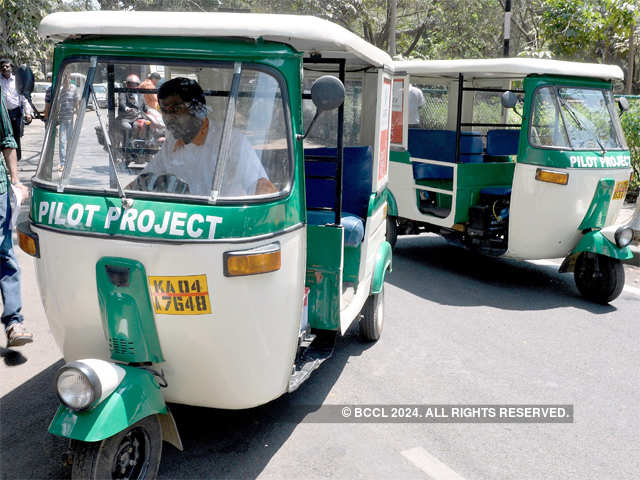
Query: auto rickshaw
[[517, 157], [158, 292]]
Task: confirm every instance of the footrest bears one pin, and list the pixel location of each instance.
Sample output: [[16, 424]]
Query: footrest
[[310, 358]]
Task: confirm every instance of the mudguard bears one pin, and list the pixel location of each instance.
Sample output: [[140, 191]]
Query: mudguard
[[392, 205], [137, 397], [595, 242], [383, 263]]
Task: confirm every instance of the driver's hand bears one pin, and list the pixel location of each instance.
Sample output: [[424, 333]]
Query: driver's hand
[[27, 118]]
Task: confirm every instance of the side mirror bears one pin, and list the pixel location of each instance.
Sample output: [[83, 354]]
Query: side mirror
[[623, 103], [327, 93], [509, 99], [24, 80]]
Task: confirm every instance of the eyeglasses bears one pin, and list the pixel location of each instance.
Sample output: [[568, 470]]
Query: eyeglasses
[[133, 84], [174, 109]]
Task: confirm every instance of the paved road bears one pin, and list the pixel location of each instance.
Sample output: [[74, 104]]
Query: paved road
[[459, 329]]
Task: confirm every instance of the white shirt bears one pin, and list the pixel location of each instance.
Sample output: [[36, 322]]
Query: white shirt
[[196, 164], [416, 100], [12, 99]]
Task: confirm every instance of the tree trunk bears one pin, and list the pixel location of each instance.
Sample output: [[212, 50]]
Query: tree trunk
[[392, 27]]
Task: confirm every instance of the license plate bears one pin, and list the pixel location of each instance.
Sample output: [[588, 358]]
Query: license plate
[[180, 295], [621, 190]]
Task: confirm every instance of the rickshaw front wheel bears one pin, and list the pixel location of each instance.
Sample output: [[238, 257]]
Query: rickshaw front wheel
[[133, 453], [599, 278], [372, 319]]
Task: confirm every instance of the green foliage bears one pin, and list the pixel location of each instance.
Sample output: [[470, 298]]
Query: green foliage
[[588, 29], [631, 126]]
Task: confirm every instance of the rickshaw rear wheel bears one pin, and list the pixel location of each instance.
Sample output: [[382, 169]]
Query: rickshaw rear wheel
[[132, 453], [372, 320], [599, 278], [392, 230]]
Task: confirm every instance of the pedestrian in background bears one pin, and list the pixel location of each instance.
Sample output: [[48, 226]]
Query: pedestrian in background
[[47, 99], [10, 286], [151, 82], [68, 108], [17, 105], [416, 102]]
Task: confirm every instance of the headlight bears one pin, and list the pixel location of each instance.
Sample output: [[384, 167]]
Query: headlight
[[85, 383], [623, 236], [78, 386]]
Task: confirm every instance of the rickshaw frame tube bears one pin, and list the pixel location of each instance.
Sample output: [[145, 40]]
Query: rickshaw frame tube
[[383, 263], [137, 397]]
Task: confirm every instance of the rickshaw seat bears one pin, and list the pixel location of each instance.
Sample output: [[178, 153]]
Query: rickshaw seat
[[357, 168], [352, 224], [502, 142], [440, 145]]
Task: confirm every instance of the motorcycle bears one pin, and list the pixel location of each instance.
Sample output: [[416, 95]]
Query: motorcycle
[[139, 138]]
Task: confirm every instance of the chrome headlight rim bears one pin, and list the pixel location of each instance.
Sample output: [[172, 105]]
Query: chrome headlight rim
[[620, 242], [90, 375]]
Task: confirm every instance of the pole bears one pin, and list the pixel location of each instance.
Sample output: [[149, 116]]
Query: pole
[[632, 55], [507, 27]]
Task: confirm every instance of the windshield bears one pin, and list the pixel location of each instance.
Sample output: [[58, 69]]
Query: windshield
[[197, 126], [575, 118]]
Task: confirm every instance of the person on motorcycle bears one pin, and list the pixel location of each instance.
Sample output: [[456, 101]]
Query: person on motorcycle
[[130, 104], [191, 149]]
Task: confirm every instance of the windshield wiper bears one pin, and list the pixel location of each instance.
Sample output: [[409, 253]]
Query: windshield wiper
[[126, 202], [575, 118]]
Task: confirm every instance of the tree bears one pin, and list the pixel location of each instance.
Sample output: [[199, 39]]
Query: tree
[[19, 40]]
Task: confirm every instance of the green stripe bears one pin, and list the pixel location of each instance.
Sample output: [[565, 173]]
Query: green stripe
[[161, 219]]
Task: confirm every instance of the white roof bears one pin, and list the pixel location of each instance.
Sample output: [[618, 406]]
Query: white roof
[[507, 68], [306, 34]]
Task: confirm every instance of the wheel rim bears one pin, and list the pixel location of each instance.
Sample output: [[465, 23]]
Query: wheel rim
[[131, 460]]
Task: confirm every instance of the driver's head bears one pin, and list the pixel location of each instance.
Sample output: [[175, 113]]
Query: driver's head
[[183, 107]]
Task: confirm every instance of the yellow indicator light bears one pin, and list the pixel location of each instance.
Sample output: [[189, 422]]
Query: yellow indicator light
[[28, 244], [252, 263], [552, 177]]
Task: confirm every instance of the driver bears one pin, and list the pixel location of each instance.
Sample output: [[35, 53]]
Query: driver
[[191, 149]]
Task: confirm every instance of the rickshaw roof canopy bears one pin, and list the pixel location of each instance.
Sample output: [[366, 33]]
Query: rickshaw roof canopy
[[304, 33], [512, 68]]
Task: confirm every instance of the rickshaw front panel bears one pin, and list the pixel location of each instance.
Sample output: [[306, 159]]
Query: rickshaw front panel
[[237, 356], [545, 217]]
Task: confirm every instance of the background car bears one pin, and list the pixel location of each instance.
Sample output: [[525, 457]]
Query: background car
[[101, 94], [37, 97]]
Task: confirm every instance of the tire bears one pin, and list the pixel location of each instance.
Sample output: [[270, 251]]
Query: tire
[[372, 320], [111, 457], [392, 231], [599, 278]]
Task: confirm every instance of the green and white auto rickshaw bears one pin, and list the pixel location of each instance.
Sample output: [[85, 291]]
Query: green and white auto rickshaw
[[158, 292], [522, 158]]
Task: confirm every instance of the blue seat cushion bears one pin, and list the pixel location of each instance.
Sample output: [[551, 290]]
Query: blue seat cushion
[[440, 145], [502, 142], [352, 224]]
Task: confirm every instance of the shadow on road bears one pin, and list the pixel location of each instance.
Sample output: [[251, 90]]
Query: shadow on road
[[239, 444], [217, 443], [429, 267]]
